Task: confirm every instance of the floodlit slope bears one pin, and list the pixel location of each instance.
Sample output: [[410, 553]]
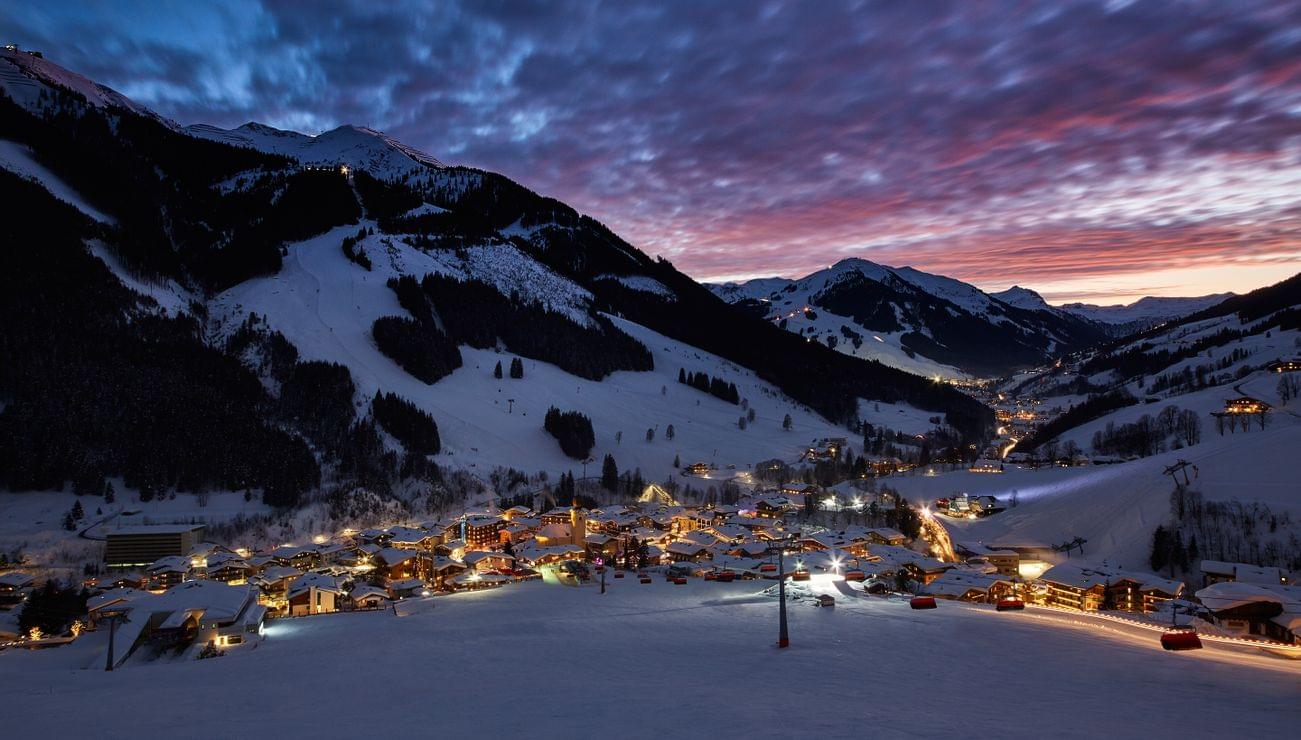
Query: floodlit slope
[[325, 306], [1116, 507], [686, 661]]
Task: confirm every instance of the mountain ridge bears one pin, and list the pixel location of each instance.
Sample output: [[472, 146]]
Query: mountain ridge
[[234, 279]]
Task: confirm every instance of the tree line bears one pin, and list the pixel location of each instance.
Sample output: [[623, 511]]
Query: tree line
[[716, 387]]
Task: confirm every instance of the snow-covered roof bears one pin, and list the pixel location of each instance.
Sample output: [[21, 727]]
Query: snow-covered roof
[[15, 579], [170, 564], [1245, 572], [217, 601], [318, 581], [132, 529], [365, 591], [1231, 594]]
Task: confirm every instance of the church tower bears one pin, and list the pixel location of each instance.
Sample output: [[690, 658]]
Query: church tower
[[578, 524]]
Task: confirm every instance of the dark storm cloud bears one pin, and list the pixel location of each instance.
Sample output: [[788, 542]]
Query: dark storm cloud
[[743, 138]]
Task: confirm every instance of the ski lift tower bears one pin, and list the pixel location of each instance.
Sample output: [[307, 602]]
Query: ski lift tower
[[779, 548]]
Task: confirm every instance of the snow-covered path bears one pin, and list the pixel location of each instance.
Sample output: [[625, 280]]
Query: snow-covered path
[[660, 660]]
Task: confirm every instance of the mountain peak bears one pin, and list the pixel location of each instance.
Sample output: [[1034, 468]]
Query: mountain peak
[[1019, 297], [359, 147]]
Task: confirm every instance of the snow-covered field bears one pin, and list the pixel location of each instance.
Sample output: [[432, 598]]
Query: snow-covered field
[[1116, 507], [659, 660], [325, 306]]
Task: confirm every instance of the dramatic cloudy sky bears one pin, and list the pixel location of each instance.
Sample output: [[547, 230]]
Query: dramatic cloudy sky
[[1093, 151]]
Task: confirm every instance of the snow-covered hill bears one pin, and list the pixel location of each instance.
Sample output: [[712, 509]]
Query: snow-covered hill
[[325, 306], [1143, 313], [915, 321], [216, 270]]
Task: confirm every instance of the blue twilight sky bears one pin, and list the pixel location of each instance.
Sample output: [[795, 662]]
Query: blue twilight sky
[[1091, 150]]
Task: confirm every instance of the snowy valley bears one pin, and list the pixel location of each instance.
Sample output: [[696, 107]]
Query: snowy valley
[[275, 405]]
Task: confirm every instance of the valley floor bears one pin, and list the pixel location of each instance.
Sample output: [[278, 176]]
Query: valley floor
[[660, 660]]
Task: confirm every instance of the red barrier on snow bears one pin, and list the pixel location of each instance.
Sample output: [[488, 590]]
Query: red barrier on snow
[[922, 602], [1009, 605], [1181, 640]]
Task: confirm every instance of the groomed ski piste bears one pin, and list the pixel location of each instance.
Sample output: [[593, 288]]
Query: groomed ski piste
[[665, 660], [325, 306]]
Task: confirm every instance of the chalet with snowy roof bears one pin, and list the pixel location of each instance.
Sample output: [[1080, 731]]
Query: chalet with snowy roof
[[233, 570], [483, 561], [472, 581], [686, 550], [986, 465], [364, 596], [557, 515], [167, 572], [133, 579], [887, 536], [408, 588], [919, 567], [1215, 571], [304, 557], [697, 468], [15, 586], [962, 585], [772, 507], [454, 549], [798, 490], [516, 512], [1270, 611], [314, 593], [1093, 588], [375, 536], [534, 554], [393, 564], [1005, 562], [409, 538], [1291, 365], [1245, 405], [443, 569]]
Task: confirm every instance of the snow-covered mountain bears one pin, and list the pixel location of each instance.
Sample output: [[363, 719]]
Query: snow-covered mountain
[[915, 321], [1145, 312], [207, 309], [357, 147]]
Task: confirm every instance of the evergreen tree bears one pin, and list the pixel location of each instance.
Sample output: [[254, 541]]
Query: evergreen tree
[[786, 423], [517, 368], [650, 435], [677, 463], [110, 494], [496, 371], [1160, 549], [682, 376], [669, 433], [609, 474], [78, 513]]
